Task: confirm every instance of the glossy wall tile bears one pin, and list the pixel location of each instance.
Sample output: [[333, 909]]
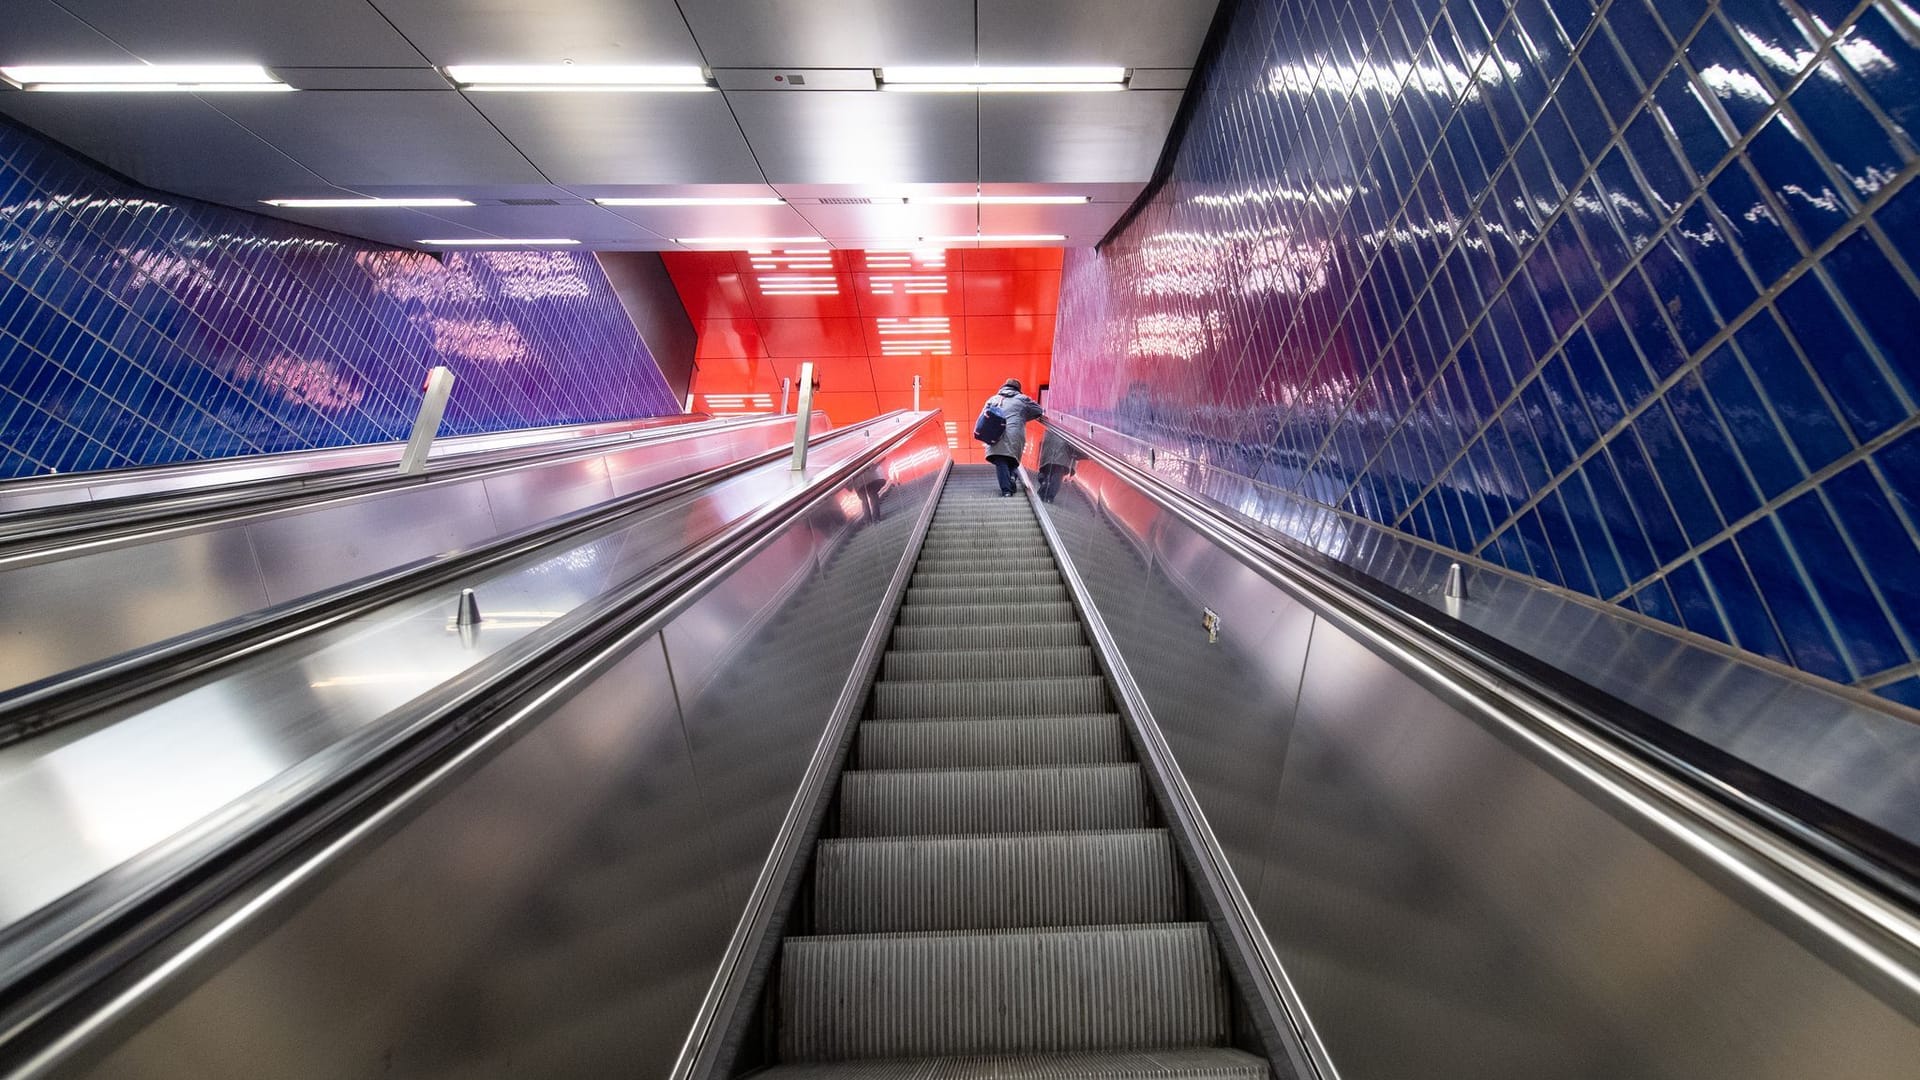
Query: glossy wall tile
[[137, 328], [1618, 295]]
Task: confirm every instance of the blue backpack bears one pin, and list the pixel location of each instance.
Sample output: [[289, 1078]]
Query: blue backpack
[[991, 425]]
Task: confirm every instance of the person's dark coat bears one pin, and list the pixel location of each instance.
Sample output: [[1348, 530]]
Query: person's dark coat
[[1019, 408], [1055, 451]]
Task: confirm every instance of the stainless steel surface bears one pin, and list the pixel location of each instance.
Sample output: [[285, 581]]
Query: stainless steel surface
[[1862, 755], [426, 424], [1072, 137], [556, 898], [1451, 896], [845, 34], [806, 412], [45, 491], [849, 137], [1138, 33], [90, 602]]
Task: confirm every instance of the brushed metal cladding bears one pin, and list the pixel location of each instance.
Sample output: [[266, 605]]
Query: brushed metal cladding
[[585, 138], [759, 661], [850, 137], [584, 31], [1445, 904], [1448, 907], [73, 612], [302, 553], [842, 34], [526, 497], [1133, 33], [557, 912]]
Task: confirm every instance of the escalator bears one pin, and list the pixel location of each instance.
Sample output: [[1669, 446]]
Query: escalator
[[996, 897]]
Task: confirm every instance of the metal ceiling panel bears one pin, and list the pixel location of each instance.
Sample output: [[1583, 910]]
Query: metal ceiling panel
[[832, 33], [1124, 192], [306, 33], [396, 226], [875, 190], [1068, 138], [42, 32], [587, 224], [356, 138], [624, 138], [1131, 33], [695, 221], [545, 31], [166, 141], [864, 138], [890, 221], [1087, 219]]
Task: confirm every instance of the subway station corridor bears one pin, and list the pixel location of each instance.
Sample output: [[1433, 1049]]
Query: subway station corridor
[[960, 539]]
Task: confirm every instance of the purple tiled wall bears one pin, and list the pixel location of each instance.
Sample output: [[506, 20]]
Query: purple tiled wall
[[137, 328], [1618, 296]]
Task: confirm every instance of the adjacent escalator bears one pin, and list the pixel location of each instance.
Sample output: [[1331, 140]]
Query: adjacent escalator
[[995, 896]]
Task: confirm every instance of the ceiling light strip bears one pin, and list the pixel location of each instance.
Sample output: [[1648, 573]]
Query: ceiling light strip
[[143, 78], [578, 77], [552, 241], [695, 200], [363, 203]]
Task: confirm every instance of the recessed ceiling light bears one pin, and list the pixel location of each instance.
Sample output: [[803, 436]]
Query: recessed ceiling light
[[1029, 79], [697, 200], [561, 77], [337, 204], [749, 241], [508, 242], [1011, 238], [135, 78], [1001, 200]]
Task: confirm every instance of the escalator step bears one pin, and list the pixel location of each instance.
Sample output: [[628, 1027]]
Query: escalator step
[[1137, 1065], [982, 564], [987, 882], [999, 636], [963, 744], [986, 699], [950, 802], [1001, 992], [997, 663], [982, 579], [983, 614]]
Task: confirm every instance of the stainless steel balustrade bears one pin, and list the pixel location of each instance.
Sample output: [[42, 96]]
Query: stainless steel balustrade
[[41, 492], [1440, 872], [542, 880], [77, 601]]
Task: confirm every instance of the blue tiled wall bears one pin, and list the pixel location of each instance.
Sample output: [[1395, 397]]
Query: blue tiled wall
[[1620, 296], [137, 328]]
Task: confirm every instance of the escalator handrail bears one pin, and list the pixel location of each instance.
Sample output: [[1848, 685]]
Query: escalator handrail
[[59, 699], [321, 806], [1858, 897], [444, 447], [48, 532]]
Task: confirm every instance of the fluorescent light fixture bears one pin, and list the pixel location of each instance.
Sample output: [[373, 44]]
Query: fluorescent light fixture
[[521, 241], [1011, 238], [697, 200], [561, 77], [135, 78], [749, 241], [342, 204], [1000, 200], [1025, 79]]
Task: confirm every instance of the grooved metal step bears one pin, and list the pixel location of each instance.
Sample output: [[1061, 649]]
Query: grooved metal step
[[990, 636], [1210, 1064], [981, 579], [984, 882], [980, 699], [963, 744], [987, 594], [969, 564], [950, 802], [981, 614], [1000, 992], [960, 664]]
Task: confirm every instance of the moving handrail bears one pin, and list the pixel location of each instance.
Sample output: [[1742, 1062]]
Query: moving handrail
[[26, 532], [49, 703], [323, 806], [51, 490], [1854, 884]]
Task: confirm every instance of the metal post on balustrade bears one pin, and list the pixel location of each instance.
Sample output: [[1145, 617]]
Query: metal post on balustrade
[[916, 393], [426, 424], [786, 394], [805, 420]]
